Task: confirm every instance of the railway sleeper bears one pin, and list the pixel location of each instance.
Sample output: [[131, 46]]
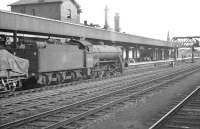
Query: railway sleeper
[[183, 122], [187, 118], [177, 127]]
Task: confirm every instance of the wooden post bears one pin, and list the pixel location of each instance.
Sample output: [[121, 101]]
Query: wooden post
[[15, 39]]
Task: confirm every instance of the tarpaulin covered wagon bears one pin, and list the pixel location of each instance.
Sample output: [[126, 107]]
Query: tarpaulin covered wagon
[[12, 70]]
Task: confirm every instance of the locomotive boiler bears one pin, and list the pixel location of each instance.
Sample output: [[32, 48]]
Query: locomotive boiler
[[69, 61]]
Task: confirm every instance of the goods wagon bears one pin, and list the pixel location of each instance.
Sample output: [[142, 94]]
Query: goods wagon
[[12, 71]]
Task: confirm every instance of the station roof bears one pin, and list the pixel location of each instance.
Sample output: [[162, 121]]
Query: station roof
[[28, 2], [10, 21]]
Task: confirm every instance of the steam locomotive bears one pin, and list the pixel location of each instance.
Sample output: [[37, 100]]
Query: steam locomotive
[[57, 62]]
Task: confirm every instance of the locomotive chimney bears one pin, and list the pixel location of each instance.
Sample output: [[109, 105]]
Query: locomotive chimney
[[116, 22], [106, 26]]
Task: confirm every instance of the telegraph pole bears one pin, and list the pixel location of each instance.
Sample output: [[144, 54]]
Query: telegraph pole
[[192, 53]]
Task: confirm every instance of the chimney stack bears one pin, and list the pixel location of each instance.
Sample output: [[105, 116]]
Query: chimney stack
[[168, 37], [106, 26], [85, 23], [116, 21]]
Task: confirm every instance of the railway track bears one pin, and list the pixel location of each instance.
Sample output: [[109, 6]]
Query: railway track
[[185, 115], [130, 70], [69, 96], [15, 105], [79, 110], [85, 86]]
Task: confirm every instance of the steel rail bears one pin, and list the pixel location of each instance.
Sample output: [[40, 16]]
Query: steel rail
[[39, 89], [167, 116], [9, 110], [50, 87], [67, 121], [99, 83], [32, 118], [8, 102], [32, 98], [90, 112], [39, 106]]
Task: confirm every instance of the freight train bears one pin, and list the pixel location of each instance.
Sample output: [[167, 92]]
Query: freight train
[[53, 61]]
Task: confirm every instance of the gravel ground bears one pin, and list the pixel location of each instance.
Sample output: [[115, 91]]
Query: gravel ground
[[136, 115]]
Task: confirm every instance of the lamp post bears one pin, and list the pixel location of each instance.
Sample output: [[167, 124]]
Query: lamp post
[[193, 53], [195, 44]]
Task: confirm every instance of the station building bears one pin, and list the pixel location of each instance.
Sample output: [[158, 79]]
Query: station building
[[64, 10], [134, 47]]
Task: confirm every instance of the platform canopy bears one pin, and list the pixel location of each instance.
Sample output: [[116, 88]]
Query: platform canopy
[[22, 23]]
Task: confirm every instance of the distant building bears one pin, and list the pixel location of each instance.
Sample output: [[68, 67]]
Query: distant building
[[64, 10]]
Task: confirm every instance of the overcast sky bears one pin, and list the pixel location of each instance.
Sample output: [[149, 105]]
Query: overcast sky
[[149, 18]]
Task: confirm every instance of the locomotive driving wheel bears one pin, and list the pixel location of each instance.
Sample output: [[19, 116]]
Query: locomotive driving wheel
[[45, 80], [101, 74], [59, 78], [73, 76]]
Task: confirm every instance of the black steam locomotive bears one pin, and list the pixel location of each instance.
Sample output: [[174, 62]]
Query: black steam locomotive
[[57, 62]]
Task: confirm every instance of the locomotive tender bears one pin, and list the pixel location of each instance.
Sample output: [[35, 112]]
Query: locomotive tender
[[69, 61]]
